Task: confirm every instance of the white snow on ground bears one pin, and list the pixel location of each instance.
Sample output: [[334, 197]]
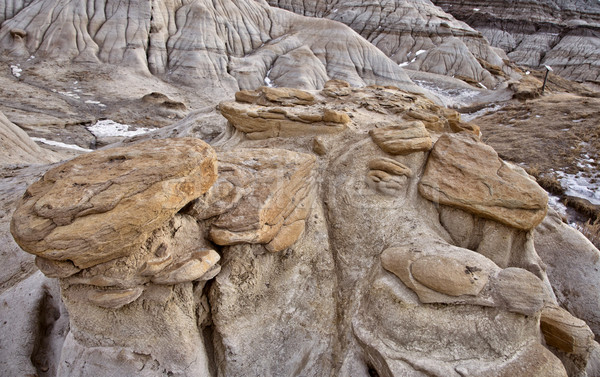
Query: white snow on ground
[[490, 109], [450, 97], [69, 94], [580, 186], [108, 128], [268, 81], [420, 52], [16, 70], [89, 101], [59, 144], [403, 64], [555, 203]]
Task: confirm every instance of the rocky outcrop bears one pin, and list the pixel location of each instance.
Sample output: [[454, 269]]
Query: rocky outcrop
[[128, 200], [18, 148], [563, 248], [501, 192], [116, 240], [562, 34], [321, 250], [416, 35], [230, 45]]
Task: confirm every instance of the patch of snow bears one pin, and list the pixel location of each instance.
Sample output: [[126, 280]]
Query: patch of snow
[[59, 144], [486, 110], [268, 81], [578, 120], [69, 94], [580, 186], [481, 85], [527, 72], [450, 97], [335, 10], [538, 116], [109, 128], [91, 102], [16, 70], [476, 9], [556, 204], [420, 52], [403, 64]]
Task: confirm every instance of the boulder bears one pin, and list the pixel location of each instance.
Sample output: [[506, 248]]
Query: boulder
[[90, 219], [465, 173]]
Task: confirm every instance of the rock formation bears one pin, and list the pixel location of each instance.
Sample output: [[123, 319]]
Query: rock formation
[[562, 34], [416, 35], [18, 148], [326, 236], [230, 45]]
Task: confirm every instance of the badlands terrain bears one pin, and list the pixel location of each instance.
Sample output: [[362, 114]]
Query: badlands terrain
[[286, 188]]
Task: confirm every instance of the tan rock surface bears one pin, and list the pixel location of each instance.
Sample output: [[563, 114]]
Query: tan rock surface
[[279, 194], [325, 257], [90, 219], [565, 332], [406, 138], [467, 174]]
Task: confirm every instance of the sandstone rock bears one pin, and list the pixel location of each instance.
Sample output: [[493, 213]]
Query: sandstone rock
[[466, 173], [565, 332], [114, 299], [18, 148], [402, 139], [520, 290], [279, 186], [192, 269], [573, 264], [70, 215], [267, 122], [370, 275], [454, 275], [448, 276]]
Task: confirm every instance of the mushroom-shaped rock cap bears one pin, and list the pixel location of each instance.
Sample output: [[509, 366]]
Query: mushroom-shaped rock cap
[[103, 205], [465, 173]]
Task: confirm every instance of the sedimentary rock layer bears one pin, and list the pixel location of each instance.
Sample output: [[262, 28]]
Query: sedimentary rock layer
[[562, 34]]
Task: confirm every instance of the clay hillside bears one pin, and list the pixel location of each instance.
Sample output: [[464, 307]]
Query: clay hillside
[[299, 188]]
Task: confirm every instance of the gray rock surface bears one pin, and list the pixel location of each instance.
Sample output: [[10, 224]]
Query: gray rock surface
[[415, 34], [563, 248], [199, 43], [563, 34]]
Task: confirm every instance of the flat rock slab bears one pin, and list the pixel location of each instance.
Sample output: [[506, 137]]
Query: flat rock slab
[[465, 173], [103, 205]]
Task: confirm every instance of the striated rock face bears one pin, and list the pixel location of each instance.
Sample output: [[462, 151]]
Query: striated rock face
[[232, 45], [307, 252], [86, 219], [465, 173], [106, 225], [562, 34], [18, 148], [415, 34]]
